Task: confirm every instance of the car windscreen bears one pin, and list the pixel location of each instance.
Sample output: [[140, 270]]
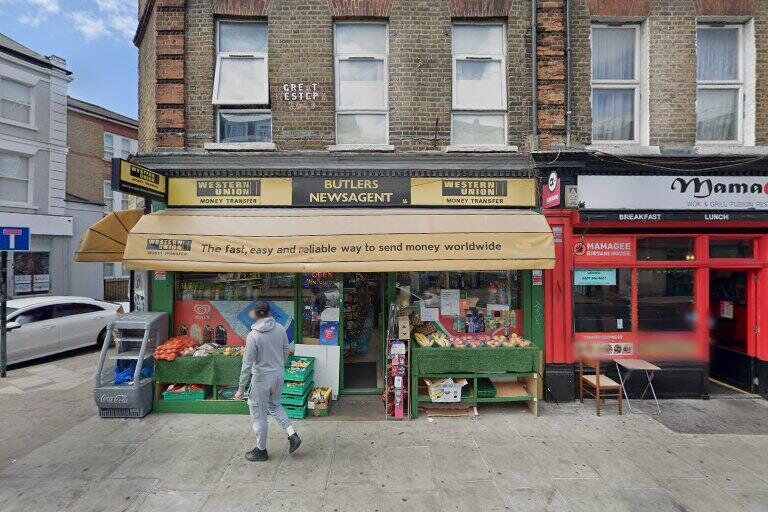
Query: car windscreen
[[9, 311]]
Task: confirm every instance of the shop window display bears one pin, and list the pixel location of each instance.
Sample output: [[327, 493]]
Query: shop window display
[[602, 300], [464, 309], [665, 249], [731, 248], [666, 300], [321, 308], [213, 308]]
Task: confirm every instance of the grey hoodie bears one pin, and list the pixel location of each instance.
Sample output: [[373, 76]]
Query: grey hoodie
[[266, 349]]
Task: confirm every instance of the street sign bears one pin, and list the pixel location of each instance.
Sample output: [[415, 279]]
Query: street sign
[[14, 238]]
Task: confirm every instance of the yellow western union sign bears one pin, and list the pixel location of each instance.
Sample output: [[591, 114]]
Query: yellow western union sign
[[485, 192], [139, 180], [233, 192]]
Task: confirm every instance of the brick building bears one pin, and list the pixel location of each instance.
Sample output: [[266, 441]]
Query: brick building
[[609, 99]]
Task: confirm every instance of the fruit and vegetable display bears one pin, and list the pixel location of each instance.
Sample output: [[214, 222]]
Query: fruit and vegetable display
[[184, 346], [428, 335]]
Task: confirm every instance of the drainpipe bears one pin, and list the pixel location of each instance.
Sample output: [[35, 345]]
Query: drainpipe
[[534, 76], [568, 72]]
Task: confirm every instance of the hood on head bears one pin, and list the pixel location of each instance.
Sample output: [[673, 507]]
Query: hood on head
[[264, 324]]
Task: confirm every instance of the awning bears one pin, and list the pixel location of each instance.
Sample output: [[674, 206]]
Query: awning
[[105, 240], [340, 240]]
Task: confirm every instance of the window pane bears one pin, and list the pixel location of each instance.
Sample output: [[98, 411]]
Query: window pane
[[665, 249], [12, 166], [242, 81], [243, 37], [613, 53], [125, 146], [245, 127], [18, 112], [665, 300], [33, 270], [363, 38], [13, 190], [731, 249], [602, 300], [478, 39], [16, 92], [361, 84], [361, 129], [613, 114], [717, 113], [717, 54], [472, 129], [478, 84]]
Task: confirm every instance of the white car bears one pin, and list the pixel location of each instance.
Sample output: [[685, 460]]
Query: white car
[[41, 326]]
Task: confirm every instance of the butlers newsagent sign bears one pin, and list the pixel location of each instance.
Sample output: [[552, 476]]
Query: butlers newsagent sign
[[673, 192]]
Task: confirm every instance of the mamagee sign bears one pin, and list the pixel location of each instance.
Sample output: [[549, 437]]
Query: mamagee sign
[[604, 249]]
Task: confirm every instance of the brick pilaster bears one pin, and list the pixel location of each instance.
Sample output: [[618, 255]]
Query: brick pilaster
[[170, 74], [551, 73]]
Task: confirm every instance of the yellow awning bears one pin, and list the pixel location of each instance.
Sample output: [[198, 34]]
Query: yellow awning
[[340, 240], [105, 240]]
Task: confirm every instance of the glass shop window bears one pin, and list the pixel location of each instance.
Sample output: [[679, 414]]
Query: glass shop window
[[665, 249], [666, 300], [602, 300], [732, 248], [214, 308], [465, 302], [321, 308]]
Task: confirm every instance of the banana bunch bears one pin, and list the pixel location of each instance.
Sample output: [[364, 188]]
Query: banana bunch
[[423, 340]]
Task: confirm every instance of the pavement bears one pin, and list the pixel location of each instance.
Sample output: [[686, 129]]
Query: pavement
[[57, 455]]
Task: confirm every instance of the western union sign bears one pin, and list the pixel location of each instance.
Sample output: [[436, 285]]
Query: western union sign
[[138, 180], [229, 192], [352, 192]]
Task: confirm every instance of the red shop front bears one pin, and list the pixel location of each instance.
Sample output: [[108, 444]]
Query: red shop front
[[681, 289]]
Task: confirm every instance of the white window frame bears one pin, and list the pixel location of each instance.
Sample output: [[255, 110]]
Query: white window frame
[[239, 55], [244, 111], [726, 85], [636, 84], [339, 56], [501, 57], [30, 182], [104, 146], [31, 85]]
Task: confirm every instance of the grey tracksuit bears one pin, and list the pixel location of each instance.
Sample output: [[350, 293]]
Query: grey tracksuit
[[266, 349]]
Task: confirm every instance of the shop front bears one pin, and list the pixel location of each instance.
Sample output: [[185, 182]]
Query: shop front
[[355, 268], [659, 262]]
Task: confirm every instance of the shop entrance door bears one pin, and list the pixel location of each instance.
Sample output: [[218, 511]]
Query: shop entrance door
[[732, 327], [363, 346]]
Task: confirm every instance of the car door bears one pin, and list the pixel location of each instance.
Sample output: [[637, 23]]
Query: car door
[[37, 335], [80, 324]]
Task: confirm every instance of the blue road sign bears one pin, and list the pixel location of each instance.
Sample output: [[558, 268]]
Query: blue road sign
[[14, 238]]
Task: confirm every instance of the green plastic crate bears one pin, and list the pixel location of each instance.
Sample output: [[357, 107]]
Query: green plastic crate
[[186, 396], [296, 412], [300, 375], [297, 399], [299, 389], [485, 389]]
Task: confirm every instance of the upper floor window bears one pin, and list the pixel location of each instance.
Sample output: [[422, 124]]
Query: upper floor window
[[117, 146], [615, 83], [362, 80], [15, 187], [241, 82], [720, 83], [479, 85], [15, 101]]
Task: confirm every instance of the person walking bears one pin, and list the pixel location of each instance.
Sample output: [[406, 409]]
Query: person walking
[[266, 349]]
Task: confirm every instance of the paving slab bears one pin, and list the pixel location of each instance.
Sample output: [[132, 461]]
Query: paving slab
[[536, 499], [115, 495], [174, 501], [352, 498], [427, 501], [40, 494], [472, 498], [280, 501], [236, 498], [702, 496], [723, 471], [752, 501]]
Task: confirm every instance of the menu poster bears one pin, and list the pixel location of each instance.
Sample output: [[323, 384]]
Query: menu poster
[[449, 302], [42, 283], [22, 284]]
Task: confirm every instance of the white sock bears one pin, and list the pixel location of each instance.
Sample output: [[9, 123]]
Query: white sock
[[290, 430]]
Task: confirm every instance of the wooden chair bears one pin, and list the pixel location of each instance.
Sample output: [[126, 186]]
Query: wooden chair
[[597, 385]]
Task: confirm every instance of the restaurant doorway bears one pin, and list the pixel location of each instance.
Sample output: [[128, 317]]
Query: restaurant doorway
[[363, 316], [731, 328]]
